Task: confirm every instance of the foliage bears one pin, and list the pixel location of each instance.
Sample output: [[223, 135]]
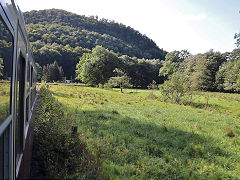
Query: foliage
[[66, 56], [1, 67], [65, 28], [153, 85], [227, 78], [97, 68], [53, 72], [4, 100], [39, 72], [143, 71], [143, 138], [65, 155], [119, 81], [237, 37], [201, 70], [65, 37], [172, 62], [175, 90]]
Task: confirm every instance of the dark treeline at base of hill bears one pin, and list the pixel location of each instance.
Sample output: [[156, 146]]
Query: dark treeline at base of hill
[[95, 51]]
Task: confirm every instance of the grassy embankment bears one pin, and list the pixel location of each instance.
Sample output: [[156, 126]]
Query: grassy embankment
[[141, 137]]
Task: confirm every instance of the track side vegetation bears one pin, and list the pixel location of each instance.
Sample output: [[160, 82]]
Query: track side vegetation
[[63, 152]]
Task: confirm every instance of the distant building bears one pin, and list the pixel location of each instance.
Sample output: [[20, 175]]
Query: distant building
[[68, 81]]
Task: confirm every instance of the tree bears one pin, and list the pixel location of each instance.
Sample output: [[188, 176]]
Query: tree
[[121, 81], [227, 78], [201, 70], [53, 72], [97, 67], [39, 71], [1, 67], [176, 89], [237, 38], [143, 71], [172, 62]]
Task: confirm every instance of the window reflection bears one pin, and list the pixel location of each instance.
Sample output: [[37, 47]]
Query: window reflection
[[5, 71]]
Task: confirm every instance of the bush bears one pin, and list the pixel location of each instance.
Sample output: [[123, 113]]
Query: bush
[[153, 85], [64, 153], [176, 90], [119, 82]]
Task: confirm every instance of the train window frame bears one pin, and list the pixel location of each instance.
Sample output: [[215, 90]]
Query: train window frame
[[28, 75], [5, 122], [6, 125], [22, 122], [28, 92]]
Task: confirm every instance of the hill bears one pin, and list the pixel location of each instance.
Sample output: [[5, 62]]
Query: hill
[[64, 36]]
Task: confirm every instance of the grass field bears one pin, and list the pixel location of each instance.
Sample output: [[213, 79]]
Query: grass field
[[4, 100], [140, 137]]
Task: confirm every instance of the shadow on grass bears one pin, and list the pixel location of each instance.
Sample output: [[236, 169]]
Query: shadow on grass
[[150, 150]]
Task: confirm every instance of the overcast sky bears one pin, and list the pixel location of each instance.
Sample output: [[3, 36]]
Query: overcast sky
[[196, 25]]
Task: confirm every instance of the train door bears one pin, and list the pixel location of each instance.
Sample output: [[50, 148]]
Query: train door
[[20, 93], [20, 102]]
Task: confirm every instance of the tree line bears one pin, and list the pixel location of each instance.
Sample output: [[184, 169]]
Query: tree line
[[209, 71], [101, 65]]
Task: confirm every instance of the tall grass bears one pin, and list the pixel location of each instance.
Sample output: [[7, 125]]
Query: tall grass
[[64, 154], [4, 100]]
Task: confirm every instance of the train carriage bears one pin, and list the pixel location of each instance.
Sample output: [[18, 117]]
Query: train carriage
[[17, 92]]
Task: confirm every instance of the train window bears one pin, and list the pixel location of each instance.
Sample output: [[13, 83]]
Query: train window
[[28, 77], [31, 76], [19, 134], [6, 50], [27, 108]]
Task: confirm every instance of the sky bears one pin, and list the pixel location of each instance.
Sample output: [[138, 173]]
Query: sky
[[195, 25]]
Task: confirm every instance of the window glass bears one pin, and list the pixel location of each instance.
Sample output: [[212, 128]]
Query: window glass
[[6, 43], [28, 78], [27, 108], [19, 124], [32, 76]]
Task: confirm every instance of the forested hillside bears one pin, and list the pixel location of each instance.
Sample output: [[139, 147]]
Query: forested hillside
[[63, 36], [98, 51]]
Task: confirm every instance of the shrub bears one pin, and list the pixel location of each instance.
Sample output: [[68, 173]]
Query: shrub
[[120, 81], [176, 90], [153, 85], [229, 132], [64, 153]]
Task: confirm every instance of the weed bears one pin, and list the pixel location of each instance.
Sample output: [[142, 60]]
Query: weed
[[152, 96], [196, 126], [115, 112], [229, 132]]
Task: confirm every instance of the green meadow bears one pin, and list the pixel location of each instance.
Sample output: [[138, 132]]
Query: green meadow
[[140, 137], [4, 100]]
